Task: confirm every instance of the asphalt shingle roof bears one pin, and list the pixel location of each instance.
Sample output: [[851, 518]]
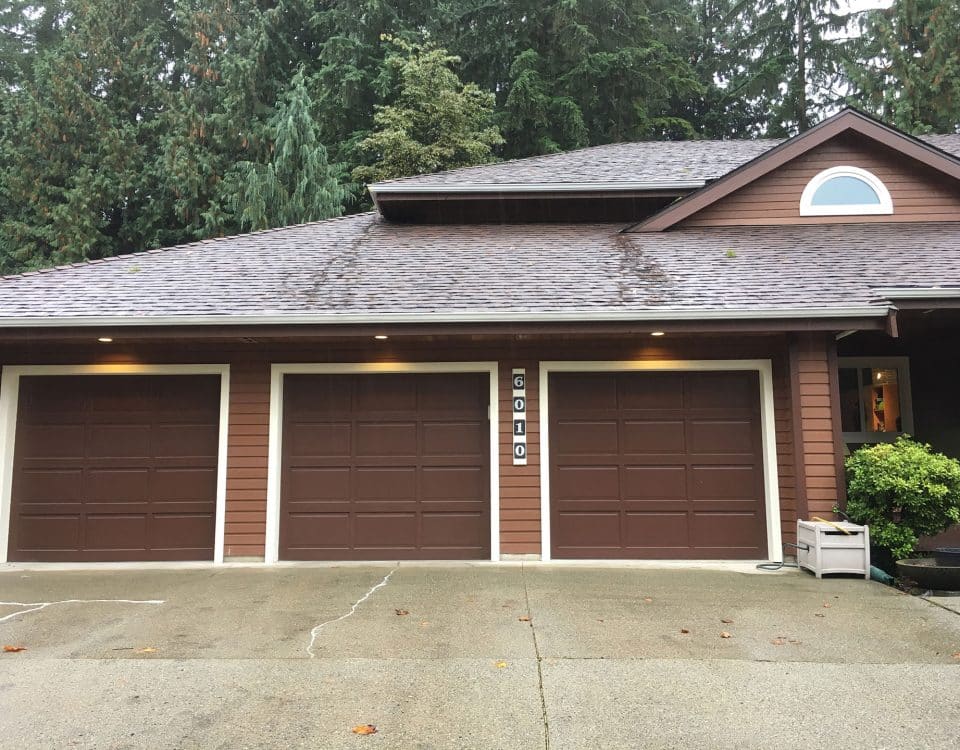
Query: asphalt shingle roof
[[361, 265], [640, 162]]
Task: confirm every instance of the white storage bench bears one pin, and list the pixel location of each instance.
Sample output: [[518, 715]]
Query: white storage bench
[[826, 548]]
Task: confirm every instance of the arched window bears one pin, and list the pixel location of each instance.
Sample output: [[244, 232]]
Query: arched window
[[845, 191]]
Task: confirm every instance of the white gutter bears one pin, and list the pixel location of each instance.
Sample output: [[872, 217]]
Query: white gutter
[[933, 292], [466, 316], [384, 188]]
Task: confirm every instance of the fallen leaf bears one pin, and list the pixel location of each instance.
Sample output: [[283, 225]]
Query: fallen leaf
[[956, 655], [778, 642], [364, 729], [795, 642], [725, 621], [146, 650], [827, 605], [684, 631], [500, 664], [401, 612], [599, 620], [819, 614], [725, 634], [524, 619], [14, 649], [647, 599]]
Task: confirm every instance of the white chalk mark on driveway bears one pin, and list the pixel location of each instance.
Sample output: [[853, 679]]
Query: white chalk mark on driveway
[[37, 606], [316, 631]]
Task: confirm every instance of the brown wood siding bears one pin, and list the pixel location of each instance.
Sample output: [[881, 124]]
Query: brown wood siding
[[245, 524], [818, 469], [519, 485], [918, 193]]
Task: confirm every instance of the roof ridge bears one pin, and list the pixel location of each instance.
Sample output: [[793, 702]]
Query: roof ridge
[[181, 246], [540, 157]]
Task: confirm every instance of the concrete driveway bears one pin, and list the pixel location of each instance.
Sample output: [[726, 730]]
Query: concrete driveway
[[471, 656]]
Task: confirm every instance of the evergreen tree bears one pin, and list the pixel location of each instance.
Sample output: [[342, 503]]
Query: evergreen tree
[[434, 121], [909, 74], [298, 184]]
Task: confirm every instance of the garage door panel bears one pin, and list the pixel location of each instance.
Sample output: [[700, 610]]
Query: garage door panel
[[650, 391], [592, 483], [107, 531], [583, 437], [189, 529], [386, 393], [724, 482], [726, 530], [120, 471], [390, 530], [586, 393], [121, 441], [49, 486], [653, 436], [318, 530], [323, 439], [654, 483], [722, 436], [454, 439], [48, 531], [579, 530], [720, 390], [312, 483], [453, 483], [123, 485], [394, 484], [680, 450], [50, 441], [190, 440], [445, 530], [656, 530], [411, 482], [386, 439]]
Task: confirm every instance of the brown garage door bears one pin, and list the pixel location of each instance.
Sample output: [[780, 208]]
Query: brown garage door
[[385, 467], [115, 468], [656, 465]]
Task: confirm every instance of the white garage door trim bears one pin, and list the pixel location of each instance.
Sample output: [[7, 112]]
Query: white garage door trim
[[764, 369], [10, 399], [277, 372]]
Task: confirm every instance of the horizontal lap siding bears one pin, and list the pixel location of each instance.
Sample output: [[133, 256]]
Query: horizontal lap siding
[[816, 429], [918, 193], [247, 449], [519, 485]]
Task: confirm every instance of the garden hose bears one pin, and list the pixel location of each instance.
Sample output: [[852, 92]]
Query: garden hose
[[774, 566]]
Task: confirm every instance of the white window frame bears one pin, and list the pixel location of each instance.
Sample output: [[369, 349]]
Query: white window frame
[[763, 368], [277, 373], [902, 366], [885, 207], [9, 403]]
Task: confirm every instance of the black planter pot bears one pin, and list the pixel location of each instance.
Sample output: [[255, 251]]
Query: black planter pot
[[949, 556], [882, 558]]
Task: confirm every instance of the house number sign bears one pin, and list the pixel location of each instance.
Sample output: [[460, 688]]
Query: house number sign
[[520, 417]]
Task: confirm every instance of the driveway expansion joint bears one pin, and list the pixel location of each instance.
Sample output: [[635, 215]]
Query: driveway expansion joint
[[536, 650], [317, 628]]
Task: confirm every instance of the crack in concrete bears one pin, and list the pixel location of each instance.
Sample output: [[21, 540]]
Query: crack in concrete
[[536, 650], [317, 628], [38, 606]]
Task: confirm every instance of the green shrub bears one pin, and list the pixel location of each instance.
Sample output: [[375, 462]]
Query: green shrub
[[902, 491]]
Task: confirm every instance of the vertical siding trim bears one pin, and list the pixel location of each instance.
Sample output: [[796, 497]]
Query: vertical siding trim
[[799, 461], [834, 372]]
